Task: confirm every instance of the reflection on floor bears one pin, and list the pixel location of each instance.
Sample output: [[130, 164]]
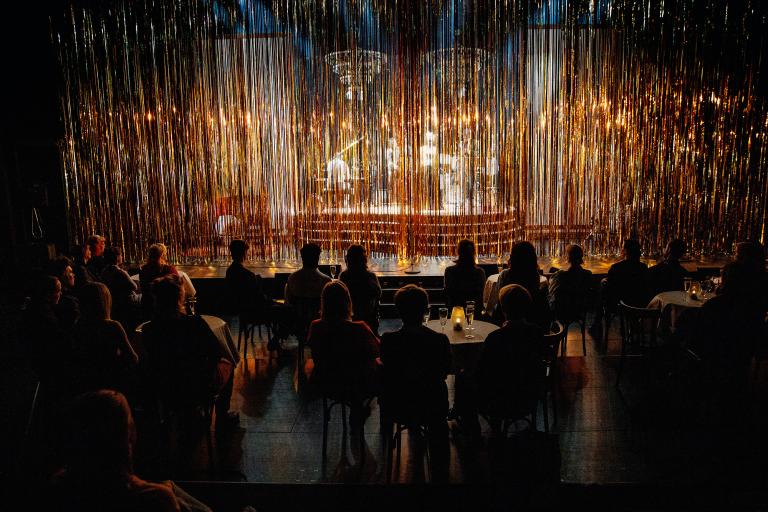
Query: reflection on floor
[[605, 434]]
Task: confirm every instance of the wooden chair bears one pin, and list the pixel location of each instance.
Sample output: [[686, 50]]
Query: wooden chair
[[344, 399], [634, 327], [248, 322], [552, 342], [393, 443]]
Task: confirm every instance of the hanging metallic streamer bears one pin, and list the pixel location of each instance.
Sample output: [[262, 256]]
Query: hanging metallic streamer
[[407, 126]]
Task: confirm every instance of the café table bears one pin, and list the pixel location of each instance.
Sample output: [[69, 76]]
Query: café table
[[491, 291], [223, 335], [674, 304], [464, 351]]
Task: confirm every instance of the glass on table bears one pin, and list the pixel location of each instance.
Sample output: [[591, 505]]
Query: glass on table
[[443, 317], [426, 315], [687, 283], [469, 313], [334, 271]]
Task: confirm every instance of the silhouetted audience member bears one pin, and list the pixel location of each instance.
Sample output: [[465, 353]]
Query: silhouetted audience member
[[751, 254], [303, 289], [308, 281], [510, 370], [81, 254], [344, 352], [627, 279], [100, 439], [155, 268], [363, 286], [68, 308], [102, 355], [124, 290], [668, 274], [96, 244], [509, 373], [523, 269], [731, 326], [246, 290], [45, 343], [416, 361], [464, 281], [569, 290], [186, 361]]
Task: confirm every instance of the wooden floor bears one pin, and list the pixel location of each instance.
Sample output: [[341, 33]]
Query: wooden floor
[[605, 435]]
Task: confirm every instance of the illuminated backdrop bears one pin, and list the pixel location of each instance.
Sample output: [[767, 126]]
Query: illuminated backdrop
[[409, 125]]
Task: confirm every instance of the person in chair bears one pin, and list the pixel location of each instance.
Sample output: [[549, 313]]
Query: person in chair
[[247, 291], [416, 361], [668, 274]]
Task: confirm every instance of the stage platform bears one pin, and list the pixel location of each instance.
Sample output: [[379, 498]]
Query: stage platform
[[431, 266]]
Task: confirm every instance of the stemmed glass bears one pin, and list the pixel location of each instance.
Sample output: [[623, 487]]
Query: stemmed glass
[[469, 314], [443, 318], [334, 271], [426, 315]]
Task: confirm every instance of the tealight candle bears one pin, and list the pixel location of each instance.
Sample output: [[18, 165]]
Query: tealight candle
[[457, 318]]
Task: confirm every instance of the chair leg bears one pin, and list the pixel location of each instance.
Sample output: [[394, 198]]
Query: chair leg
[[209, 437], [389, 443], [564, 343], [623, 350], [326, 418], [584, 336]]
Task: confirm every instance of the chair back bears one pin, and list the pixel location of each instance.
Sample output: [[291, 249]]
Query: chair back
[[634, 321], [305, 310], [552, 342]]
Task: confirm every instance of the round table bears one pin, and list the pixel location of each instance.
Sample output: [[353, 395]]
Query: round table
[[491, 291], [672, 306], [464, 351], [223, 335]]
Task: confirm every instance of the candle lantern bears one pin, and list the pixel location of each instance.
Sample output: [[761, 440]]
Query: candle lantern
[[457, 318]]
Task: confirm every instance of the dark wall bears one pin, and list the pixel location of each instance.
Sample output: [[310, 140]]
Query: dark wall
[[32, 212]]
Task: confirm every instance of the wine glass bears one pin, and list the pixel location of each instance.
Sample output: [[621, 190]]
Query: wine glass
[[687, 283], [443, 318], [426, 315], [469, 314], [707, 287], [334, 271]]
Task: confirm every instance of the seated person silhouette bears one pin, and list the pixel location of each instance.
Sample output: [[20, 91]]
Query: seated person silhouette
[[524, 270], [103, 357], [246, 290], [185, 359], [155, 268], [96, 245], [303, 289], [124, 290], [569, 289], [509, 374], [464, 281], [626, 279], [345, 353], [100, 439], [668, 274], [68, 308], [363, 286], [416, 361]]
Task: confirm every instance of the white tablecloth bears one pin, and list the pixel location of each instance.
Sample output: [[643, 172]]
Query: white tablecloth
[[672, 305], [491, 291], [464, 351], [223, 334]]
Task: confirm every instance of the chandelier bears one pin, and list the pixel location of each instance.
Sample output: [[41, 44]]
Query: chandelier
[[356, 68], [460, 64]]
